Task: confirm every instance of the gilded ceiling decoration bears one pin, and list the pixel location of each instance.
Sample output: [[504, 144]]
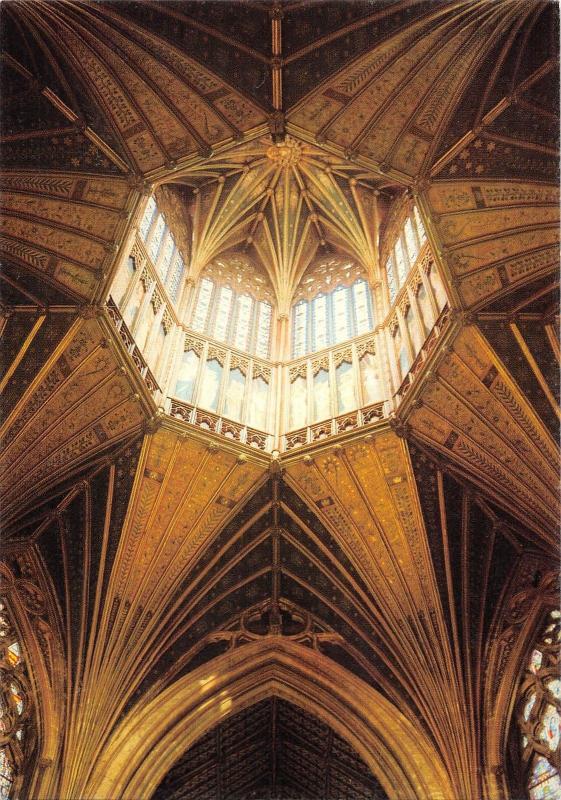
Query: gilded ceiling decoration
[[283, 203], [475, 412], [390, 577]]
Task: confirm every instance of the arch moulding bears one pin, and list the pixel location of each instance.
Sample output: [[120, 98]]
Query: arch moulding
[[158, 730]]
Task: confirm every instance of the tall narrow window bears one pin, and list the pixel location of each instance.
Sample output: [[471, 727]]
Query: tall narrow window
[[539, 716], [234, 395], [202, 306], [258, 405], [147, 218], [210, 390], [391, 275], [321, 396], [423, 302], [320, 322], [341, 315], [223, 313], [362, 307], [174, 282], [372, 388], [300, 329], [298, 402], [157, 237], [346, 395], [244, 307], [263, 330], [187, 376], [167, 254], [437, 287], [401, 261], [420, 227], [14, 702], [411, 241]]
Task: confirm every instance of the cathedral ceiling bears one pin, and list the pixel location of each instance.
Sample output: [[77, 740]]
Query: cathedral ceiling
[[284, 203], [372, 552], [273, 749]]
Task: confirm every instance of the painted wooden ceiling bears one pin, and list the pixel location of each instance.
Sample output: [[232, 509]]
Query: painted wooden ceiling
[[399, 557]]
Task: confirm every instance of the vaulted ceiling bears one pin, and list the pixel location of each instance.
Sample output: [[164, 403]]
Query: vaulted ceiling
[[153, 549]]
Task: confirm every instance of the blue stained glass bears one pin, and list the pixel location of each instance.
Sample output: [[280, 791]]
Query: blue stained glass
[[554, 687]]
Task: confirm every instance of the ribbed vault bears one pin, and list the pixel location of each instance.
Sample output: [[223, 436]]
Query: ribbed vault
[[272, 749], [139, 553]]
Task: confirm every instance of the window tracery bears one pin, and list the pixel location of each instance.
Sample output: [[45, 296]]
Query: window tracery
[[539, 716], [331, 317], [228, 310], [15, 707]]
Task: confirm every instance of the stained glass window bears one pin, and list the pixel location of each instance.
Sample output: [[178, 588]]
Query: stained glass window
[[14, 702], [411, 241], [234, 395], [321, 396], [210, 389], [362, 304], [147, 218], [169, 247], [420, 227], [202, 305], [335, 317], [298, 403], [300, 329], [392, 282], [258, 408], [176, 275], [263, 330], [346, 395], [540, 714], [187, 376], [401, 261], [157, 237], [438, 288], [244, 306], [223, 313], [320, 335]]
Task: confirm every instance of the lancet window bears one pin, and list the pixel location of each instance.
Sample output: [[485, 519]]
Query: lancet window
[[539, 714], [228, 315], [331, 317], [15, 707], [404, 252]]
